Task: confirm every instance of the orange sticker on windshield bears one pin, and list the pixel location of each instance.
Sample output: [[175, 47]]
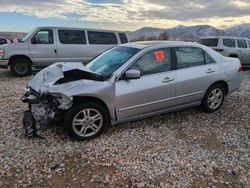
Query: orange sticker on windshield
[[159, 55]]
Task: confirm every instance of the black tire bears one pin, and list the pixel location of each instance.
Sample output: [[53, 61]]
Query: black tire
[[73, 113], [206, 105], [21, 67]]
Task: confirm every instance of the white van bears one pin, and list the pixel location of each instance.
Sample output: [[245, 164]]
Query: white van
[[46, 45], [230, 47]]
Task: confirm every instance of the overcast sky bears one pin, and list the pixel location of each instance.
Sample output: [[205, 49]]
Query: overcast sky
[[24, 15]]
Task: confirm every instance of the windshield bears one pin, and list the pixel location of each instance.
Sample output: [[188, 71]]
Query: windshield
[[111, 60], [27, 36]]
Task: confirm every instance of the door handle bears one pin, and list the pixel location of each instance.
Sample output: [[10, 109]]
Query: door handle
[[167, 79], [210, 71], [55, 50]]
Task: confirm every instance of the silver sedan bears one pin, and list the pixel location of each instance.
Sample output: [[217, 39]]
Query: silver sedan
[[129, 82]]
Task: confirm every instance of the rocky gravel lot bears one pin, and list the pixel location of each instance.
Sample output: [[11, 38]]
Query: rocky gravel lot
[[183, 149]]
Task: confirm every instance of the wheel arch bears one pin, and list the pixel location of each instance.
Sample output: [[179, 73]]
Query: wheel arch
[[82, 99], [233, 55], [221, 82], [20, 56]]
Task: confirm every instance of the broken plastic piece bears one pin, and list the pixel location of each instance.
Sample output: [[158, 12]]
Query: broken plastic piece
[[29, 125]]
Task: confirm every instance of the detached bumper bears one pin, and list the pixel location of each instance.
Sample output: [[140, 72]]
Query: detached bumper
[[4, 63]]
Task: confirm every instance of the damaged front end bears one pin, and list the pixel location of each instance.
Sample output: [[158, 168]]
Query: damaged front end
[[45, 94], [43, 109]]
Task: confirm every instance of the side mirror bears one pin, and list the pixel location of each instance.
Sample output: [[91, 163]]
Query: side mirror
[[33, 40], [132, 74]]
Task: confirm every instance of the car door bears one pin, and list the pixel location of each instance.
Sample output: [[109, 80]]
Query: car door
[[43, 48], [243, 51], [152, 92], [196, 70]]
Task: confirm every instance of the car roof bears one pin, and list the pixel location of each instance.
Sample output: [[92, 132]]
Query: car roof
[[222, 37], [149, 44], [83, 28]]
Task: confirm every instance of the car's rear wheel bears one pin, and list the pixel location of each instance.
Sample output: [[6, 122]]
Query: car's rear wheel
[[20, 67], [86, 121], [214, 98]]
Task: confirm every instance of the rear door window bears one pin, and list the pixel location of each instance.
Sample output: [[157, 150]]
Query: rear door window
[[229, 43], [96, 37], [210, 42], [208, 59], [189, 57], [242, 43], [72, 36], [123, 38]]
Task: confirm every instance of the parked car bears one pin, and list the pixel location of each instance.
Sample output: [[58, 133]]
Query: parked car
[[230, 47], [4, 41], [129, 82], [46, 45]]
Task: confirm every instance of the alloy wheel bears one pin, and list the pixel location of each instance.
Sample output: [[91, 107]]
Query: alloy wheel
[[215, 98], [87, 122]]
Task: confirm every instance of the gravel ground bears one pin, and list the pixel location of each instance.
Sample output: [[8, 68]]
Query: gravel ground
[[182, 149]]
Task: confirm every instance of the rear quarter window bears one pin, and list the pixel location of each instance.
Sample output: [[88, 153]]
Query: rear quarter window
[[208, 59], [96, 37], [210, 42], [229, 43]]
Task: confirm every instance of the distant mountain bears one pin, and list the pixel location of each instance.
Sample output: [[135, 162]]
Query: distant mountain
[[186, 33], [11, 35], [239, 30], [191, 33], [145, 32]]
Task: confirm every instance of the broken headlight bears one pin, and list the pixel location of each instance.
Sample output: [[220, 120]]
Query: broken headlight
[[62, 101]]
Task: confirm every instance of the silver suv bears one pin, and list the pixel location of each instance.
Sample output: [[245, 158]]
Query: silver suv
[[129, 82], [46, 45], [230, 47]]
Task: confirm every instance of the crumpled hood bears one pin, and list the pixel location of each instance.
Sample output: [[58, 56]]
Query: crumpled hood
[[47, 77]]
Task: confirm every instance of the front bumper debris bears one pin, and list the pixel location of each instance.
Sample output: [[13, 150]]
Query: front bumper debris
[[43, 109], [29, 124]]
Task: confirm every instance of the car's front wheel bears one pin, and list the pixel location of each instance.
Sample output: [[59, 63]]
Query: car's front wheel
[[214, 98], [86, 121]]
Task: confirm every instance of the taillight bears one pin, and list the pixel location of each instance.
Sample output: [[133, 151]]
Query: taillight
[[218, 50], [240, 68]]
